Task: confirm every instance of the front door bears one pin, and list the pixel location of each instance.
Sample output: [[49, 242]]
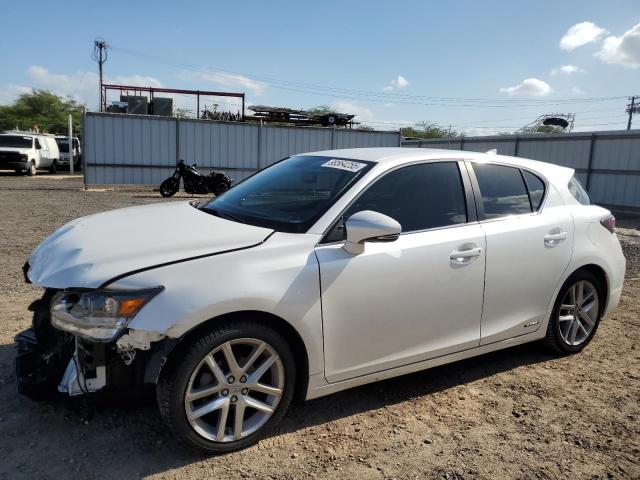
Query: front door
[[416, 298]]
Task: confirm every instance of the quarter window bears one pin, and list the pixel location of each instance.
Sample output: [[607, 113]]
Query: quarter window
[[536, 189], [579, 193], [419, 197], [503, 190]]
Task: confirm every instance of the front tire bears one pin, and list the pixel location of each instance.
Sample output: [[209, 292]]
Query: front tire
[[31, 170], [576, 313], [169, 187], [224, 390], [220, 188]]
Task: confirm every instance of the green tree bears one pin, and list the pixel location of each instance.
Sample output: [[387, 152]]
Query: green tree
[[549, 129], [321, 110], [43, 110], [184, 113], [428, 130]]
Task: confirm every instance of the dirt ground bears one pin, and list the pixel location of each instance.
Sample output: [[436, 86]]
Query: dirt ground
[[521, 413]]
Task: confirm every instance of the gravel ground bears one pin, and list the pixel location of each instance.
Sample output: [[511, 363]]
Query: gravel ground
[[519, 413]]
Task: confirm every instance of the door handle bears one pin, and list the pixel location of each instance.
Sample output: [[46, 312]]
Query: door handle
[[460, 257], [553, 239]]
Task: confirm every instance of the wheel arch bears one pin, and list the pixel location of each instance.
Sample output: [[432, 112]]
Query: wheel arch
[[279, 324], [602, 277]]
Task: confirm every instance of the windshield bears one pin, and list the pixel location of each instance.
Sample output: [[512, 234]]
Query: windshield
[[63, 144], [15, 141], [290, 195]]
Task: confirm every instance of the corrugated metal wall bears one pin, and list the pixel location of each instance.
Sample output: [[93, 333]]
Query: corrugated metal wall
[[607, 163], [131, 149]]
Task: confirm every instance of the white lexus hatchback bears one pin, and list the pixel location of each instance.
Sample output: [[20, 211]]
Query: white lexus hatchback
[[324, 271]]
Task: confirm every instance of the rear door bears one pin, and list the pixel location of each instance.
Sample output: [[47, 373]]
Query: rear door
[[529, 235]]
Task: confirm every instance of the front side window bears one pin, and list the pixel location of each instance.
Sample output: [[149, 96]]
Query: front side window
[[419, 197], [579, 193], [291, 195], [502, 189]]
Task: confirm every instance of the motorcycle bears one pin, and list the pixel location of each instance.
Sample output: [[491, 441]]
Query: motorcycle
[[195, 182]]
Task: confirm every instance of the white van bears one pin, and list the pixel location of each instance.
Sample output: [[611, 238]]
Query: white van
[[28, 152], [63, 146]]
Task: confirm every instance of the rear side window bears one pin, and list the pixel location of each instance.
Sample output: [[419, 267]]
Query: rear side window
[[419, 197], [579, 193], [536, 189], [503, 190]]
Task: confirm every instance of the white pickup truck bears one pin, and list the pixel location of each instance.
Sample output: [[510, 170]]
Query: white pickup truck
[[28, 152]]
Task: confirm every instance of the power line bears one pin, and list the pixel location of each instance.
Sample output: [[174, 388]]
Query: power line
[[322, 90]]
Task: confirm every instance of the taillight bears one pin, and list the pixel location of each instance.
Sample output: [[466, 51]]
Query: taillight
[[609, 223]]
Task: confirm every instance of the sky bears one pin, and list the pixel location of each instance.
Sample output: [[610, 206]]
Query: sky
[[478, 67]]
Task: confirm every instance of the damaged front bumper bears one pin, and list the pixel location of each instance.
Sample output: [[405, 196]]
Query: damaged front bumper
[[51, 362]]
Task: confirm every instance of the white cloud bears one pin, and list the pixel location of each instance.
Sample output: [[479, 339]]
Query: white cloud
[[481, 132], [227, 80], [10, 93], [567, 70], [575, 90], [529, 86], [623, 50], [581, 34], [367, 117], [82, 86], [396, 84], [363, 114]]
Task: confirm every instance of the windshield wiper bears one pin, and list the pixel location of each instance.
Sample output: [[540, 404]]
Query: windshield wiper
[[221, 214]]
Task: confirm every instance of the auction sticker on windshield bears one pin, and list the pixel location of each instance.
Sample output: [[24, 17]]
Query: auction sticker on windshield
[[348, 165]]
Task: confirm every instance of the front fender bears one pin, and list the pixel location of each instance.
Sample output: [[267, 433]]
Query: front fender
[[279, 277]]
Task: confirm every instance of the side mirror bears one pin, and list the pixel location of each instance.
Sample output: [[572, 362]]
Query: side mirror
[[369, 226]]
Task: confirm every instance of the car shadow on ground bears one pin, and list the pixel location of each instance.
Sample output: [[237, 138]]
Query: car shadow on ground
[[138, 424]]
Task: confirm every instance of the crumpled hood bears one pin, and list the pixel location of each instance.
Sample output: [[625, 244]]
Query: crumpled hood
[[89, 251]]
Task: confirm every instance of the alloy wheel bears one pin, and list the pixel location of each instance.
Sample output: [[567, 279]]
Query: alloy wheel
[[234, 390], [579, 312]]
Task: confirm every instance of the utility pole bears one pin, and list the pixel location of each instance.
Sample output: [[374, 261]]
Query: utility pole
[[100, 56], [71, 149], [632, 108]]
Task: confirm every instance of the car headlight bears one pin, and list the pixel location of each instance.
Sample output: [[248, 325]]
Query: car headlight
[[98, 315]]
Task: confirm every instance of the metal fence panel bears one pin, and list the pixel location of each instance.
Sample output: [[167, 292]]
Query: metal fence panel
[[616, 189], [607, 163], [113, 144], [506, 146], [219, 145], [617, 153], [572, 154], [137, 149], [280, 142]]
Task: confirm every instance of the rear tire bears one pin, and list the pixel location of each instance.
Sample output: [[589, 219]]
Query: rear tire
[[53, 168], [169, 187], [202, 366], [576, 313]]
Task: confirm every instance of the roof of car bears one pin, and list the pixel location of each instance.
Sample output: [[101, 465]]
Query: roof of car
[[399, 155]]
